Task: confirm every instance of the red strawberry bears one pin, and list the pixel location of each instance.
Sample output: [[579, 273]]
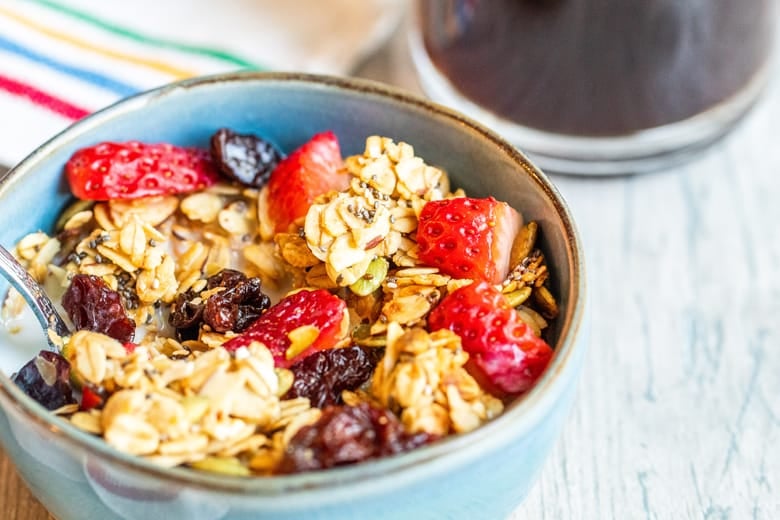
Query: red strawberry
[[310, 171], [501, 345], [91, 398], [318, 308], [468, 238], [132, 170]]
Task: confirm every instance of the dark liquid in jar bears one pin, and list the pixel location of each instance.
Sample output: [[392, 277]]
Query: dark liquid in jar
[[597, 67]]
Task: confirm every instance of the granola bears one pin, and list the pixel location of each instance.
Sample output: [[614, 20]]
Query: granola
[[190, 391]]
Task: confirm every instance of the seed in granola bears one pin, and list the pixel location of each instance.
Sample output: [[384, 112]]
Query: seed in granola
[[516, 298], [547, 305], [372, 280], [222, 465]]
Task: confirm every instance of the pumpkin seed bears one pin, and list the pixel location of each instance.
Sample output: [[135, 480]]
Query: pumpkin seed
[[524, 243], [375, 275], [546, 303], [223, 465], [518, 297]]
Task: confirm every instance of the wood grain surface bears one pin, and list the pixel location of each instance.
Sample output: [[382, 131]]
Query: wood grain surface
[[678, 412], [16, 502]]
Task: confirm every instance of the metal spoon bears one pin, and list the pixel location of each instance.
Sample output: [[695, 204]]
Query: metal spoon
[[33, 293]]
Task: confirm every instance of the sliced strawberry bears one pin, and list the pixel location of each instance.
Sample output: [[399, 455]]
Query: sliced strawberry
[[468, 238], [318, 318], [500, 344], [310, 171], [133, 169]]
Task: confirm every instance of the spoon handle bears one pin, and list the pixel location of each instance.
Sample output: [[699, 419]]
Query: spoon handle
[[33, 293]]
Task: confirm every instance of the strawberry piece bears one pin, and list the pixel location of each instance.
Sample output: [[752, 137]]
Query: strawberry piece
[[90, 398], [500, 344], [311, 170], [132, 169], [319, 309], [468, 238]]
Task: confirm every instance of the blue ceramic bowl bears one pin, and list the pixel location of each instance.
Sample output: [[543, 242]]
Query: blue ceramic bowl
[[483, 474]]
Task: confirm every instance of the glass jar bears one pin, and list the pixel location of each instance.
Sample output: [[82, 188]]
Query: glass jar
[[597, 86]]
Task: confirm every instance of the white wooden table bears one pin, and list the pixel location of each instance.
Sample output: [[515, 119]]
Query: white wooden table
[[678, 412]]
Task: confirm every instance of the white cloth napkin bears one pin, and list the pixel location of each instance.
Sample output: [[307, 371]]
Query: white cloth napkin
[[62, 59]]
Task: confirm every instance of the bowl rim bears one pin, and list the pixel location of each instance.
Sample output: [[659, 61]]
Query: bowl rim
[[431, 459]]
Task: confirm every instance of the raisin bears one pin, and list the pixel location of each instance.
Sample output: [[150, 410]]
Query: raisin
[[322, 376], [233, 309], [185, 313], [245, 158], [347, 435], [46, 379], [93, 305], [225, 278]]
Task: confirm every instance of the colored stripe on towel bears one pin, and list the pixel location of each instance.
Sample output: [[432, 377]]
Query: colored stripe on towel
[[145, 38], [176, 72], [99, 80], [42, 98]]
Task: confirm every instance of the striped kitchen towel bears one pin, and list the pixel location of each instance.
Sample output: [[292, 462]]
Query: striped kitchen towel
[[62, 59]]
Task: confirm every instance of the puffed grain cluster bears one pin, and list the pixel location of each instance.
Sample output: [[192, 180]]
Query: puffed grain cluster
[[377, 214]]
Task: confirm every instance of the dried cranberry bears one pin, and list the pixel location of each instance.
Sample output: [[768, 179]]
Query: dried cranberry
[[323, 375], [186, 316], [347, 435], [233, 309], [93, 305], [225, 278], [47, 380], [245, 158]]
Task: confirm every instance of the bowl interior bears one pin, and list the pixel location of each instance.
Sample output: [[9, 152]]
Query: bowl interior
[[288, 109]]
